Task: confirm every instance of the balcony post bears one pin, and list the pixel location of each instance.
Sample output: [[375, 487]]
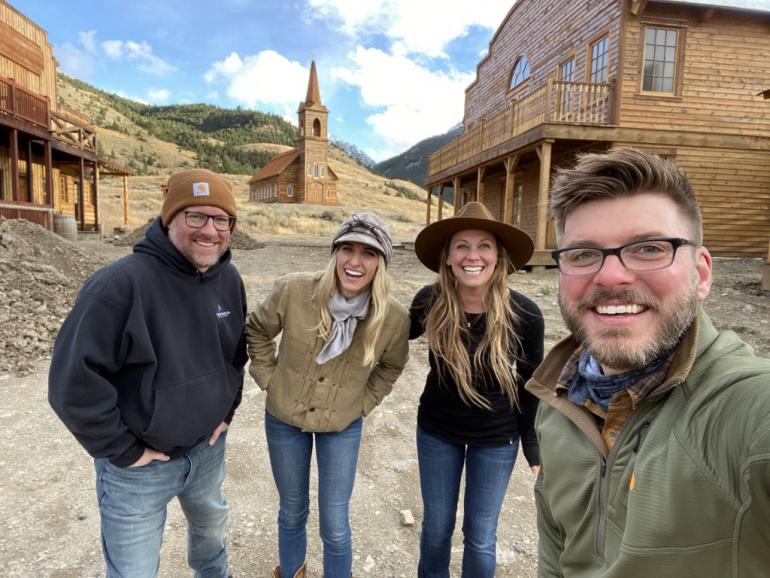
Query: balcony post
[[510, 166], [480, 184], [548, 91], [14, 144], [440, 200], [427, 205], [544, 152], [456, 188]]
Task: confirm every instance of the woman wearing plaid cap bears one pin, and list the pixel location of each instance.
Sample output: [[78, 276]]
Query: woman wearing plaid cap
[[485, 341], [344, 342]]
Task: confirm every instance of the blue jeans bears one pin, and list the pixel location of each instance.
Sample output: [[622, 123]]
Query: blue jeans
[[132, 503], [487, 471], [336, 456]]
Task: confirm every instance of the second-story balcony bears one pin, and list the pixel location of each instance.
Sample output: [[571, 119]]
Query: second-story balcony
[[64, 125], [18, 102], [556, 101]]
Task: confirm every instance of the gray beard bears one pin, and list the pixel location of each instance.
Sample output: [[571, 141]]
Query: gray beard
[[615, 354]]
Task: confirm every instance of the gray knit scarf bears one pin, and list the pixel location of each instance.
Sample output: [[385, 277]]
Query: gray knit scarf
[[346, 313]]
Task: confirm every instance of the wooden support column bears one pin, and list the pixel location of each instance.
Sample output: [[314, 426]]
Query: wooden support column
[[480, 184], [544, 152], [456, 187], [95, 185], [125, 200], [14, 144], [427, 214], [440, 200], [30, 181], [766, 274], [81, 195], [48, 173], [510, 166]]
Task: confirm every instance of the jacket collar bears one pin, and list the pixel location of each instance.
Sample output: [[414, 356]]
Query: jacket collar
[[542, 384]]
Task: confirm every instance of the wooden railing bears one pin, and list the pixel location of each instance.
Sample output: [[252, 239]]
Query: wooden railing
[[70, 131], [39, 214], [19, 102], [556, 101]]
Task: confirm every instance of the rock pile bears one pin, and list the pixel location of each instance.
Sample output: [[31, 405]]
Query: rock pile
[[40, 275]]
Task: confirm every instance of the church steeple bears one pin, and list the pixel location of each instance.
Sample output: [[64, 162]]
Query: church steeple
[[313, 92], [313, 115]]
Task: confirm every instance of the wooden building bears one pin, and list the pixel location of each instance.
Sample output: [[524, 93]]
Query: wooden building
[[682, 79], [48, 163], [302, 174]]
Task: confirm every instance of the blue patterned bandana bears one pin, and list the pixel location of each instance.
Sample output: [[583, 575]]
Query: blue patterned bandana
[[590, 382]]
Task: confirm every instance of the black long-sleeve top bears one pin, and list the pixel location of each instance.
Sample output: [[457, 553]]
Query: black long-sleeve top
[[444, 414]]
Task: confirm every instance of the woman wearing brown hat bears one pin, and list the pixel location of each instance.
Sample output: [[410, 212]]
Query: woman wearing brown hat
[[485, 341], [343, 345]]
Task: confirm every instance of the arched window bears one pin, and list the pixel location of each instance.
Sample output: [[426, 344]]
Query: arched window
[[309, 169], [290, 191], [315, 169], [520, 71], [316, 127]]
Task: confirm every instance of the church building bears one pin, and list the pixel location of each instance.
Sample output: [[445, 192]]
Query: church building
[[301, 174]]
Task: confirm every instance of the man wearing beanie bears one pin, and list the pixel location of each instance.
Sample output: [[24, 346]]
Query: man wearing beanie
[[147, 372]]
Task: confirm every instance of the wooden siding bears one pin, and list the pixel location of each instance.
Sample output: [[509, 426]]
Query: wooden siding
[[37, 50], [726, 64], [546, 32]]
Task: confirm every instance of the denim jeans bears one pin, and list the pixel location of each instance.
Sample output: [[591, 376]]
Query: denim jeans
[[132, 504], [487, 472], [336, 456]]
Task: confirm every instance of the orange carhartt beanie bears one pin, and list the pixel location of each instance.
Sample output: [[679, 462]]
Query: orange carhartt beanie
[[196, 187]]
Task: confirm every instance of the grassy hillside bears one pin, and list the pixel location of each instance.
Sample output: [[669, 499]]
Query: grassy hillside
[[133, 135], [412, 165]]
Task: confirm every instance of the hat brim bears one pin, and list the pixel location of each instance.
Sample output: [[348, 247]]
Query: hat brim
[[432, 238], [363, 238]]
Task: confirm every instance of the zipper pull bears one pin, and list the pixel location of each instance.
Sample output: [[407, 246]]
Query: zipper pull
[[639, 433]]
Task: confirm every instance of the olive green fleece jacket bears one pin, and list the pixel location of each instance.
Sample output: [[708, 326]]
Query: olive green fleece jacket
[[312, 397], [685, 490]]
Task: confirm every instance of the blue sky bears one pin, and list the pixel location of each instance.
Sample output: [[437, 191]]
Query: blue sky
[[392, 72]]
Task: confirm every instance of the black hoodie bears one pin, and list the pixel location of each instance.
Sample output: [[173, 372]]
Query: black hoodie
[[152, 353]]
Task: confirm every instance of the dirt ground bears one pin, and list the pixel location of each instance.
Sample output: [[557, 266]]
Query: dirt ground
[[47, 497]]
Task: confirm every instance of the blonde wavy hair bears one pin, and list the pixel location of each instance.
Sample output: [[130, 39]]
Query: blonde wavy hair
[[445, 327], [378, 304]]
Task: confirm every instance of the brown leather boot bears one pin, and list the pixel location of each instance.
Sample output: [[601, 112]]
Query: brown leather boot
[[300, 573]]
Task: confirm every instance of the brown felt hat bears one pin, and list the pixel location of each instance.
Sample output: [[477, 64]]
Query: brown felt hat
[[473, 215], [196, 187]]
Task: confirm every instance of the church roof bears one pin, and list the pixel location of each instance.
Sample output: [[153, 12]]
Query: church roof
[[276, 165]]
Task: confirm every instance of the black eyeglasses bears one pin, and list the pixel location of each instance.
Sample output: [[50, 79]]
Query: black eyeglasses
[[198, 220], [640, 256]]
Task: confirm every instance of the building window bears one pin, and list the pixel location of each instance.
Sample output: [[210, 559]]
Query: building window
[[309, 170], [316, 127], [520, 71], [315, 169], [660, 55], [599, 60], [323, 171], [567, 70], [290, 191]]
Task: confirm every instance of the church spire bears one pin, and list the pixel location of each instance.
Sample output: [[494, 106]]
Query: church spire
[[313, 92]]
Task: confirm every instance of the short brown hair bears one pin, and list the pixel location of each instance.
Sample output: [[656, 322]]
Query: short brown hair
[[622, 172]]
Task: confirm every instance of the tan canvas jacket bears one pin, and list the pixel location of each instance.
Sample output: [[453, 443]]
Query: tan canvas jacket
[[300, 392]]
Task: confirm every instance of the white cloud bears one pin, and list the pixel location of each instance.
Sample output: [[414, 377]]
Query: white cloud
[[139, 52], [413, 26], [266, 78], [88, 40], [74, 61], [158, 94], [419, 104]]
